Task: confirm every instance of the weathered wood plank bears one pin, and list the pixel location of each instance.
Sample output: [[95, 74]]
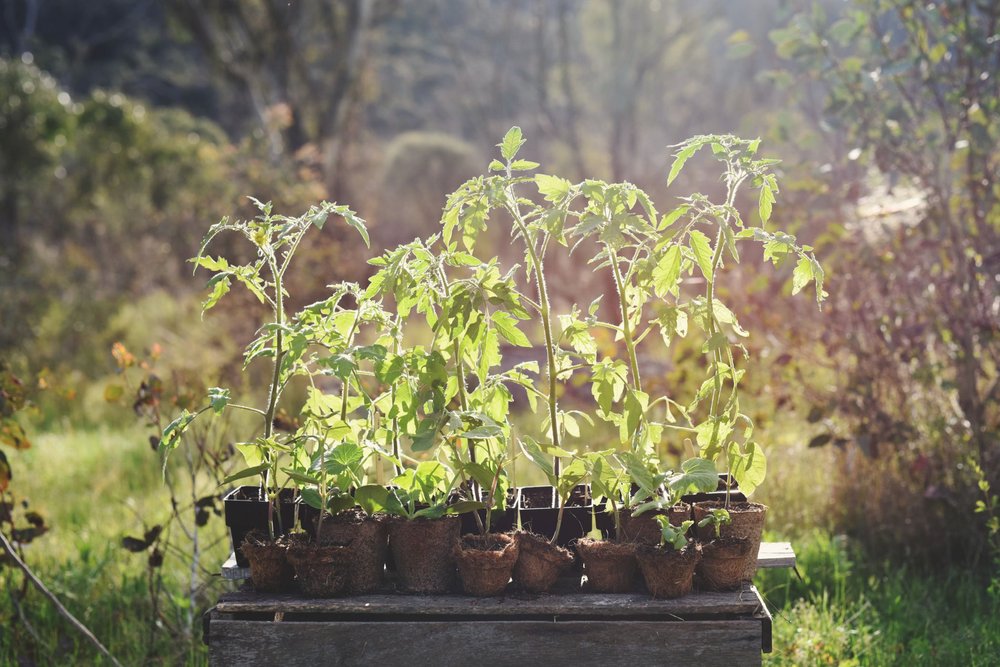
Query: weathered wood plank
[[775, 554], [444, 644], [743, 602]]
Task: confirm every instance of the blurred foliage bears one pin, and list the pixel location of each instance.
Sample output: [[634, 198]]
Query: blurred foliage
[[914, 329]]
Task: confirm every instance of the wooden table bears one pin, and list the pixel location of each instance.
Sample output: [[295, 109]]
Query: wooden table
[[388, 629]]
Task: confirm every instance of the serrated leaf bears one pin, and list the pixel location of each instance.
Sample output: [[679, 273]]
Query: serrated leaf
[[667, 272], [553, 188], [506, 326], [766, 201], [802, 275], [219, 284], [512, 142], [702, 249], [749, 467], [673, 216], [683, 156]]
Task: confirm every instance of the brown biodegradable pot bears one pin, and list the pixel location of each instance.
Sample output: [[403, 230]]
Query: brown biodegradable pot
[[723, 563], [610, 566], [539, 563], [644, 529], [270, 570], [422, 552], [668, 573], [369, 539], [321, 570], [485, 562], [747, 522]]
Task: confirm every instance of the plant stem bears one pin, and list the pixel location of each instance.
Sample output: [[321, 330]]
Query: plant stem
[[545, 311], [559, 516], [626, 324], [272, 401]]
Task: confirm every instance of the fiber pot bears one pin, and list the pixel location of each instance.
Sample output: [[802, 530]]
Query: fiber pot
[[270, 570], [485, 562], [422, 552], [369, 540], [539, 563], [610, 566], [644, 529], [668, 573], [245, 509], [723, 563], [321, 570], [747, 522]]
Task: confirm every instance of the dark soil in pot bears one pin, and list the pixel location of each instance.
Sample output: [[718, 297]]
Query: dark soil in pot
[[422, 551], [539, 563], [668, 573], [644, 529], [270, 570], [245, 509], [610, 566], [369, 539], [724, 562], [321, 570], [747, 522], [485, 562]]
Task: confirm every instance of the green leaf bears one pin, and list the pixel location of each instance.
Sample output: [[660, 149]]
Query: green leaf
[[496, 165], [253, 454], [682, 156], [372, 498], [702, 249], [539, 458], [506, 325], [523, 165], [802, 275], [219, 284], [667, 272], [749, 468], [697, 475], [357, 223], [512, 142], [212, 264], [337, 504], [245, 473], [463, 506], [172, 433], [766, 201], [671, 218], [218, 397], [553, 188], [301, 477], [311, 497]]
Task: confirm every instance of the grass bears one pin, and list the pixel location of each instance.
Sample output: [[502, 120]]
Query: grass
[[95, 487]]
